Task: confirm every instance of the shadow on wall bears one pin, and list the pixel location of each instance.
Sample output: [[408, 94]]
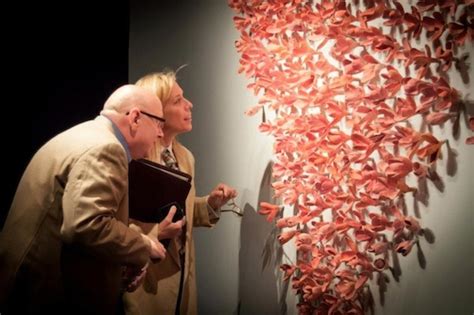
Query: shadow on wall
[[421, 196], [259, 259], [261, 254]]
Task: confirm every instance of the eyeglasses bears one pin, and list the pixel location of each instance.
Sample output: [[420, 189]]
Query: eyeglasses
[[235, 208], [160, 120]]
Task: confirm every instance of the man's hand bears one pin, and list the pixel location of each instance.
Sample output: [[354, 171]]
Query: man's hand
[[158, 251], [220, 195], [132, 277], [168, 229]]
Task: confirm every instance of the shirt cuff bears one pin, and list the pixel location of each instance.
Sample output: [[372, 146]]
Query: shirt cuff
[[213, 214]]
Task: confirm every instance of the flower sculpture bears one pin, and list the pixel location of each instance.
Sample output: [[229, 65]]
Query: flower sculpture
[[344, 95]]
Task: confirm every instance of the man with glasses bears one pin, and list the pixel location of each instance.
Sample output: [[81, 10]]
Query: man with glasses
[[159, 120], [66, 242]]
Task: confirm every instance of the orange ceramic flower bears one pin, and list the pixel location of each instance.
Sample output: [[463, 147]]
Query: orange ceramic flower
[[345, 147]]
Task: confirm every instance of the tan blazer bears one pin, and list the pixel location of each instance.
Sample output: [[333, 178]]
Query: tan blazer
[[66, 236], [159, 292]]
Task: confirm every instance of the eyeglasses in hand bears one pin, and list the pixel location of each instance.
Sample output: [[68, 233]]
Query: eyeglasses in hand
[[234, 208]]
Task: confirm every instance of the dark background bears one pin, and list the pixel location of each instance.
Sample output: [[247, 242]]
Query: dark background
[[81, 49]]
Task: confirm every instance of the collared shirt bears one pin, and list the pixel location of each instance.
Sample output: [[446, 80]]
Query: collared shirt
[[121, 139]]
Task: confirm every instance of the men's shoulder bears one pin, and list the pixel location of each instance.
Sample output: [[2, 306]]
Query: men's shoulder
[[85, 137], [90, 132]]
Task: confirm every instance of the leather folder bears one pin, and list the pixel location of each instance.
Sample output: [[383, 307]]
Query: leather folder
[[154, 188]]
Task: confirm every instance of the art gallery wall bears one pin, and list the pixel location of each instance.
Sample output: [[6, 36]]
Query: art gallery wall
[[237, 260]]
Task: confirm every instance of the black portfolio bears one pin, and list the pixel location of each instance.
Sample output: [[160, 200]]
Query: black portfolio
[[154, 188]]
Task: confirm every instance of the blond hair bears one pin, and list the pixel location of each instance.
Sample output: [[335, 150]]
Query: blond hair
[[160, 83]]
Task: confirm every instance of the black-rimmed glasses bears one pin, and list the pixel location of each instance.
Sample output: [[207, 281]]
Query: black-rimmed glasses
[[161, 120]]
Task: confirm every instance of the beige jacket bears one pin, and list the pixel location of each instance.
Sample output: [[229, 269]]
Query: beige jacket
[[159, 293], [65, 239]]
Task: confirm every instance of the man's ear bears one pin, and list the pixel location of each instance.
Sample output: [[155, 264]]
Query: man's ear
[[134, 116]]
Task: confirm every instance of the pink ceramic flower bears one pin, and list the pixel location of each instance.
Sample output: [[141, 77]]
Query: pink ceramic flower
[[345, 148]]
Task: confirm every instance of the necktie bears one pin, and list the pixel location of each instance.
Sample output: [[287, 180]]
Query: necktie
[[170, 162], [168, 159]]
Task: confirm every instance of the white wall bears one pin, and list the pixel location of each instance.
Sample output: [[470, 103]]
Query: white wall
[[232, 262], [235, 266]]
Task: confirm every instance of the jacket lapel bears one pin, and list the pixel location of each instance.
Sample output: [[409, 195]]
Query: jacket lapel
[[183, 166]]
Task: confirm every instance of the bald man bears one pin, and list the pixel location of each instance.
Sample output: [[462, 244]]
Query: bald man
[[65, 242]]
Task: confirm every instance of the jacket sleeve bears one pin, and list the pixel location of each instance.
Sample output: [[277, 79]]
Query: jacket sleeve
[[202, 211], [94, 194], [150, 229]]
